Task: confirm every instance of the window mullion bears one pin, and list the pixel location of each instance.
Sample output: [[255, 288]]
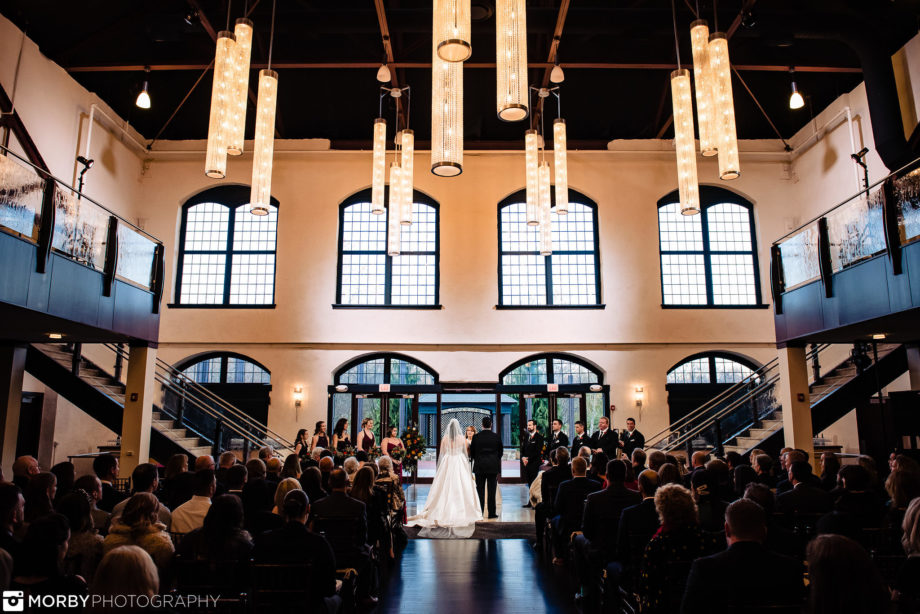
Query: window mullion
[[548, 275], [707, 256], [228, 265]]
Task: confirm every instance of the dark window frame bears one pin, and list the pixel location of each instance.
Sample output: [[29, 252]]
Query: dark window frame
[[574, 196], [711, 356], [388, 358], [191, 361], [710, 196], [364, 196], [231, 197]]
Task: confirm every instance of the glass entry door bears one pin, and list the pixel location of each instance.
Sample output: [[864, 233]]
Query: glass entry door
[[569, 408]]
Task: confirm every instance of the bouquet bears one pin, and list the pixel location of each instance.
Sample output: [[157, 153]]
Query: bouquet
[[415, 447], [397, 454], [341, 455], [374, 453]]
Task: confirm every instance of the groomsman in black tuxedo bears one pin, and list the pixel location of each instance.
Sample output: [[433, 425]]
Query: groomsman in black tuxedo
[[581, 438], [532, 453], [605, 440], [559, 438], [630, 439]]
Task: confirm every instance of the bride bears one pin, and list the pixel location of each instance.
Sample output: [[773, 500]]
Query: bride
[[452, 507]]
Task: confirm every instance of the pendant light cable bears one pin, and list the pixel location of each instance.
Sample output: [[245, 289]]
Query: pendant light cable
[[676, 40], [271, 36], [229, 5]]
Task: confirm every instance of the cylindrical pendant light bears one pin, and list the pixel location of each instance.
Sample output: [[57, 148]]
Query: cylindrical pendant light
[[264, 147], [546, 215], [446, 117], [407, 139], [452, 30], [215, 164], [684, 142], [531, 162], [560, 162], [393, 226], [237, 133], [702, 77], [726, 135], [511, 59], [378, 176]]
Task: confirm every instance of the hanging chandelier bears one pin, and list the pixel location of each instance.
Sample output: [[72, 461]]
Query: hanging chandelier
[[393, 226], [264, 146], [407, 143], [560, 162], [726, 135], [452, 30], [511, 59], [446, 116], [215, 164], [378, 178], [236, 134], [546, 232], [702, 77], [682, 101], [532, 161]]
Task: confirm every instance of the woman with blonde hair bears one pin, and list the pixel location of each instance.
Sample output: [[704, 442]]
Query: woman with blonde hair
[[284, 487], [138, 526], [906, 585], [366, 436], [126, 570]]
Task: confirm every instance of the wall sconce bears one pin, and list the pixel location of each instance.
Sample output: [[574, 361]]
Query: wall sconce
[[298, 396], [639, 391]]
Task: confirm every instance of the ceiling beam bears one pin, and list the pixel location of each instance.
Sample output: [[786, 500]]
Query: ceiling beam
[[391, 61], [476, 65]]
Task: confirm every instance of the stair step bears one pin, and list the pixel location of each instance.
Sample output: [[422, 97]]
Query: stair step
[[186, 442], [760, 434], [747, 442], [200, 450], [162, 424], [771, 425], [737, 449]]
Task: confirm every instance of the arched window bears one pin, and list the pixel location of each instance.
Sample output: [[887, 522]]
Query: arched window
[[226, 254], [394, 369], [708, 259], [711, 368], [551, 369], [225, 368], [569, 277], [367, 276]]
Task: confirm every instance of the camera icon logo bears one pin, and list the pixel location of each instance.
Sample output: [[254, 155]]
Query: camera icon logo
[[13, 601]]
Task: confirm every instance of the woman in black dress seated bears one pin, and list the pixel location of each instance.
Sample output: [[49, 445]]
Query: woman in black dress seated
[[340, 439]]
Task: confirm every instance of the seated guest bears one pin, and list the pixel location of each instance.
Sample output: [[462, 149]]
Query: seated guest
[[785, 483], [266, 453], [638, 460], [177, 482], [221, 538], [598, 468], [907, 583], [84, 548], [312, 482], [12, 515], [830, 465], [742, 476], [139, 526], [698, 462], [711, 509], [375, 504], [763, 465], [91, 485], [720, 478], [346, 518], [39, 566], [326, 465], [273, 470], [291, 468], [224, 462], [39, 495], [669, 473], [656, 458], [902, 486], [666, 562], [6, 567], [559, 472], [855, 498], [639, 522], [258, 498], [843, 579], [804, 497], [205, 461], [64, 472], [569, 505], [105, 466], [24, 468], [144, 478], [284, 487], [294, 542], [313, 459], [237, 476], [631, 483], [190, 515], [734, 579], [125, 570], [389, 481], [351, 467], [733, 460], [597, 544], [779, 539]]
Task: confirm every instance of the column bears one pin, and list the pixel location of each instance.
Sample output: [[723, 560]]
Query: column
[[913, 365], [46, 431], [12, 369], [140, 389], [793, 395]]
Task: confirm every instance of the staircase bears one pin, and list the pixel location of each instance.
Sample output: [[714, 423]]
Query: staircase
[[748, 416], [102, 396]]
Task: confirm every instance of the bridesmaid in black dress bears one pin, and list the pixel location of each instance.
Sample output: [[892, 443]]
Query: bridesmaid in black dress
[[319, 436], [340, 439], [301, 445], [366, 436]]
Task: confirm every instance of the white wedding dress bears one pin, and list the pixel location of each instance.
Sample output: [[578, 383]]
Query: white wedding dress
[[452, 508]]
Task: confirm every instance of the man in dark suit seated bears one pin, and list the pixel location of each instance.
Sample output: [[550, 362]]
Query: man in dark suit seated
[[604, 439], [733, 579], [698, 462], [598, 543], [12, 508], [557, 438], [638, 461], [295, 543], [24, 468], [856, 498], [805, 497], [763, 466], [784, 482], [579, 439], [569, 505], [560, 472], [105, 466], [636, 527]]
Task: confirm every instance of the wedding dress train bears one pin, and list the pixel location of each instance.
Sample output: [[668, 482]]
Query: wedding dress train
[[452, 508]]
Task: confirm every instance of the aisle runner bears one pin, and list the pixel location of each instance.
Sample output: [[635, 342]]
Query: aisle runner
[[492, 530]]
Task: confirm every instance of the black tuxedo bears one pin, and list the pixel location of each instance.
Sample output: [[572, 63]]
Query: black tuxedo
[[558, 440], [631, 441], [486, 451], [343, 521], [569, 505], [532, 450], [804, 499], [549, 485], [638, 522], [578, 441], [735, 578], [602, 517], [606, 442], [110, 497]]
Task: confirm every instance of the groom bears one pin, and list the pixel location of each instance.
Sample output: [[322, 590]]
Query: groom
[[486, 451]]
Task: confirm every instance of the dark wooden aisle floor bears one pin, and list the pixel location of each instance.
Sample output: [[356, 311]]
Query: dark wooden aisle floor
[[456, 576]]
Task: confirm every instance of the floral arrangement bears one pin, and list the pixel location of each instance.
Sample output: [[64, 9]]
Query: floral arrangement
[[341, 455], [415, 447], [374, 453], [397, 453]]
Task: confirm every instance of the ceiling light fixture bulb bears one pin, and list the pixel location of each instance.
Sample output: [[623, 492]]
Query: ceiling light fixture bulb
[[556, 75], [143, 99], [796, 101], [383, 74]]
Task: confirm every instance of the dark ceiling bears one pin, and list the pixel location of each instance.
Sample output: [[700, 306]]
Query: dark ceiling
[[104, 42]]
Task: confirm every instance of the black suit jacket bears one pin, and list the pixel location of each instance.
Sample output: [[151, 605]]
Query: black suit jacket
[[602, 517], [640, 521], [532, 450], [736, 577], [294, 543], [606, 442], [578, 441], [344, 521], [110, 497], [570, 501], [486, 451], [549, 485], [631, 441], [804, 499], [558, 440]]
